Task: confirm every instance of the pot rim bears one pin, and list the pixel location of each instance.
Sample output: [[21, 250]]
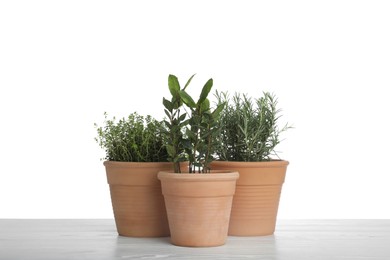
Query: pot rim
[[119, 164], [214, 175], [272, 163]]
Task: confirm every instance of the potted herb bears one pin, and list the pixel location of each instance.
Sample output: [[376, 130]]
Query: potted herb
[[248, 136], [135, 153], [198, 201]]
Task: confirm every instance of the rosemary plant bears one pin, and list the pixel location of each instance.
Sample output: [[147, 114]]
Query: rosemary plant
[[248, 128], [133, 139]]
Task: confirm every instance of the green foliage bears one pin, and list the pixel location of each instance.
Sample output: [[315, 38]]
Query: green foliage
[[174, 124], [132, 139], [192, 138], [248, 128]]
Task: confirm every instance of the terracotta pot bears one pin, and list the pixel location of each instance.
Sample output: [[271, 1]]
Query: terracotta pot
[[137, 201], [256, 201], [198, 206]]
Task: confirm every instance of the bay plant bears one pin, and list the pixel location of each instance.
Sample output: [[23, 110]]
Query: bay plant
[[248, 128], [175, 123], [192, 126], [135, 138]]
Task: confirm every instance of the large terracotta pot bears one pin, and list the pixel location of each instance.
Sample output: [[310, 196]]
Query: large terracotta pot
[[256, 201], [137, 201], [198, 206]]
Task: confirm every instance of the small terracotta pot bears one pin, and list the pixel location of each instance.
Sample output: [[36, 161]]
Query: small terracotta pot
[[137, 201], [198, 206], [256, 201]]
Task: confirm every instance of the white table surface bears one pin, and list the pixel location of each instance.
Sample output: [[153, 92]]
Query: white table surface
[[97, 239]]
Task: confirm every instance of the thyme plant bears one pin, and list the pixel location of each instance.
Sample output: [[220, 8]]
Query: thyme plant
[[133, 139], [248, 128]]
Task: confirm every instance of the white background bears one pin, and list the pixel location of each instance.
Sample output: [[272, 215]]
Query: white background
[[63, 63]]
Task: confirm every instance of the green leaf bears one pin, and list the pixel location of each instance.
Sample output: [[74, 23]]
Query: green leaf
[[184, 123], [205, 91], [182, 117], [190, 134], [218, 110], [187, 99], [205, 105], [173, 84], [177, 102], [167, 113], [168, 104], [175, 128], [188, 82], [170, 150]]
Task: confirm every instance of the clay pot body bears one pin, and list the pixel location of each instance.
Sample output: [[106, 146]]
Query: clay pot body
[[136, 197], [198, 206], [256, 201]]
